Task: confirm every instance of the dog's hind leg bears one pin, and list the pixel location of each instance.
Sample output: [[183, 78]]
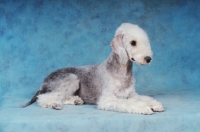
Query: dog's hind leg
[[62, 89], [50, 100]]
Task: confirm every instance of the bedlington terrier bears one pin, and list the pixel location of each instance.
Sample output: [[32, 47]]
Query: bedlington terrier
[[110, 84]]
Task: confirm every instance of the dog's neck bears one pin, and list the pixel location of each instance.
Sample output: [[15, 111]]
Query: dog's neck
[[115, 67]]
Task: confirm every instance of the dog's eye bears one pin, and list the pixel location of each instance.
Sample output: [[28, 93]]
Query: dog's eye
[[133, 43]]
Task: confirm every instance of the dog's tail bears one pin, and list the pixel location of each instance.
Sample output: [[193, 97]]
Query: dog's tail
[[34, 98]]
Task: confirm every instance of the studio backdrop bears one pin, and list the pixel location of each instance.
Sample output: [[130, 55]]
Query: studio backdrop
[[38, 37]]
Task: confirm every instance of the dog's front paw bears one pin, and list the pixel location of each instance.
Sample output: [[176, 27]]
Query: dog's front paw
[[143, 109], [146, 111], [158, 108]]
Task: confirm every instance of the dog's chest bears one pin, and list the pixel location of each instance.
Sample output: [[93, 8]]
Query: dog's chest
[[122, 87]]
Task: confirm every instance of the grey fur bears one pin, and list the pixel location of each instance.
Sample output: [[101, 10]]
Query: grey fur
[[89, 86]]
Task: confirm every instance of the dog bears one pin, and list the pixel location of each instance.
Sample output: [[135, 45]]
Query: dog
[[110, 84]]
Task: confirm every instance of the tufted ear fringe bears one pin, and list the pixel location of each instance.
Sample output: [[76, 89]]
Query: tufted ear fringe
[[118, 48]]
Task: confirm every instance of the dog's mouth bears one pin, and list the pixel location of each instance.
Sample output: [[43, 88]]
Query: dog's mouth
[[132, 59], [139, 63]]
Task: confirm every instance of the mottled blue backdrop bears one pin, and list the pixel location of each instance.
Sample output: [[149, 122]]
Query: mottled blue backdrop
[[40, 36]]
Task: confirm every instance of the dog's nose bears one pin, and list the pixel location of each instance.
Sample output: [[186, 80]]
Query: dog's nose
[[148, 59]]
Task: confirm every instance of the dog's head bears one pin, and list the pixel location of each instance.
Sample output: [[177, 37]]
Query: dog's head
[[132, 43]]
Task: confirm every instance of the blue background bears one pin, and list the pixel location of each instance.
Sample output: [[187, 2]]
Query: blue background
[[41, 36], [38, 37]]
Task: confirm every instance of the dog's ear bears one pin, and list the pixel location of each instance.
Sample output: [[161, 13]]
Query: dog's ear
[[118, 47]]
